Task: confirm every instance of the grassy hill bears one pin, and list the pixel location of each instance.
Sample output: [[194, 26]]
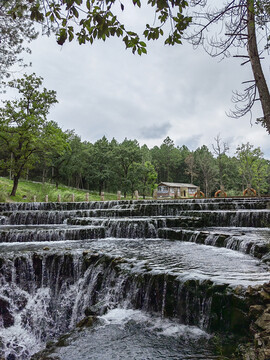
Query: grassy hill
[[28, 189]]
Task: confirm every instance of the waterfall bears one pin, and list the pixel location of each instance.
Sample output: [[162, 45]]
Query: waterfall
[[186, 260]]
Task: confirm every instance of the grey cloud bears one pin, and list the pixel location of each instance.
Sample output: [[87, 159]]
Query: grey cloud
[[175, 91], [155, 131], [192, 142]]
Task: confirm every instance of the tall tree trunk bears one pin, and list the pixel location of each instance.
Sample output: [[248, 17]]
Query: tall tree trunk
[[256, 66], [10, 169], [15, 185]]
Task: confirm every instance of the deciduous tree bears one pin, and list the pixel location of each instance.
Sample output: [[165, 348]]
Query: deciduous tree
[[145, 177], [24, 128], [88, 20], [252, 166], [125, 155], [206, 169], [237, 27]]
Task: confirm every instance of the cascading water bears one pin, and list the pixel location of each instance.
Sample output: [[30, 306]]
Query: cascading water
[[61, 262]]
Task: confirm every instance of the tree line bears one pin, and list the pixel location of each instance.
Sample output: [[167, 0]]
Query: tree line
[[37, 149], [111, 166]]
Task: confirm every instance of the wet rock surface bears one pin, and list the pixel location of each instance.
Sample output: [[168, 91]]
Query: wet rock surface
[[259, 314]]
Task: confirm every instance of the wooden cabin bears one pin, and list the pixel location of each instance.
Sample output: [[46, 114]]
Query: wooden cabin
[[167, 189]]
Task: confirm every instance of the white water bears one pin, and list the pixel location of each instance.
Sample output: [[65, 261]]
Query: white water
[[126, 334], [48, 285]]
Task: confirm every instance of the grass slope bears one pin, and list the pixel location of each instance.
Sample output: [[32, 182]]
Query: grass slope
[[28, 189]]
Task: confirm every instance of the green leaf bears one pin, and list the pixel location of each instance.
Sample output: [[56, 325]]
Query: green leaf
[[74, 11], [62, 37], [144, 50]]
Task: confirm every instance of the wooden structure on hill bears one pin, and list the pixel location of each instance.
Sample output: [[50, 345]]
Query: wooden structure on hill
[[181, 190]]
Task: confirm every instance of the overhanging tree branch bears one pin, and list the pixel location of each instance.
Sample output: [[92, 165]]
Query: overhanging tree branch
[[235, 26]]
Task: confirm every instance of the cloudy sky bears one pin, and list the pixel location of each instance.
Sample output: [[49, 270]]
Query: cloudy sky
[[177, 91]]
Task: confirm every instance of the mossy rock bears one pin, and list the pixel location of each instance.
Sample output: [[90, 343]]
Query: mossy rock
[[62, 341], [86, 322]]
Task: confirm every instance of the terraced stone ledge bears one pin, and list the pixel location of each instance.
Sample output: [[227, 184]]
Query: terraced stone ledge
[[258, 249]]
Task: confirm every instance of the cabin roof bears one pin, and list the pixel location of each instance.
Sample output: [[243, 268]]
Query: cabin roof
[[169, 184]]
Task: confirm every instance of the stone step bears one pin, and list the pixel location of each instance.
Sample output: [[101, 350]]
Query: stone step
[[255, 243]]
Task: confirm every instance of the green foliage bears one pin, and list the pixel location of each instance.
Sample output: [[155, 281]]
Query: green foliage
[[88, 21], [125, 155], [100, 164], [142, 177], [3, 190], [24, 129], [148, 179], [110, 166], [252, 167], [14, 32], [73, 163], [166, 159], [230, 175], [207, 169]]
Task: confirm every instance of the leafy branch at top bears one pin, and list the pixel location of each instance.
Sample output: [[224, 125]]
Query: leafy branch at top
[[89, 20]]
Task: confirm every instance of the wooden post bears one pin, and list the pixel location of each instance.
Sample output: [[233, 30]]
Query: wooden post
[[118, 195], [59, 198], [102, 196], [35, 198], [175, 193], [72, 197], [46, 198], [87, 197], [155, 194], [136, 194]]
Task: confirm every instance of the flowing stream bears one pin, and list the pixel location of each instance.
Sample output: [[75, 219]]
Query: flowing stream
[[156, 279]]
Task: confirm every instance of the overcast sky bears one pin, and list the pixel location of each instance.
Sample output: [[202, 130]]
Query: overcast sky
[[177, 91]]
